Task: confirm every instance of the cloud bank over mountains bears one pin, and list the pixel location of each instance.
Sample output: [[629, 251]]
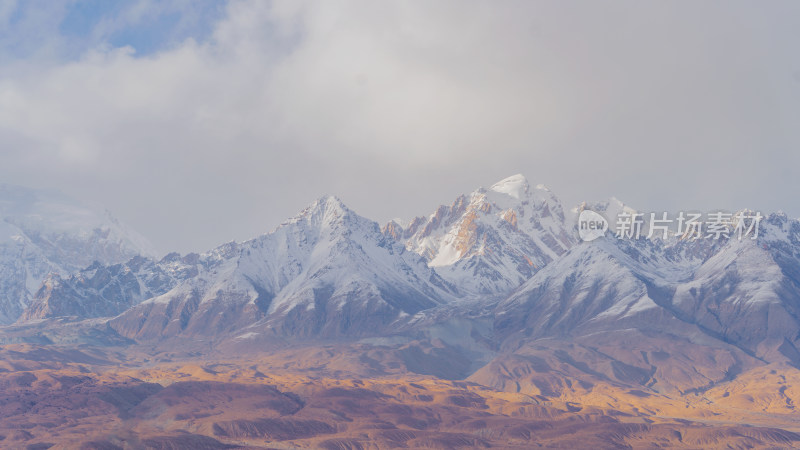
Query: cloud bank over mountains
[[248, 109]]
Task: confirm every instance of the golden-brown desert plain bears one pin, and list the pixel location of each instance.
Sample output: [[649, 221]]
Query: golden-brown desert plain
[[358, 396]]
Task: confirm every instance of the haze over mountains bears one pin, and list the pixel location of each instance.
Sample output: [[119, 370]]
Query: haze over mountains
[[45, 232], [495, 288]]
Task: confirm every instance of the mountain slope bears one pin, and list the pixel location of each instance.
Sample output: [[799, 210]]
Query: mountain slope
[[666, 314], [749, 292]]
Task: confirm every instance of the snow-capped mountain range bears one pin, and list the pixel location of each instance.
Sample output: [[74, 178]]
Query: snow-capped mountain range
[[507, 255]]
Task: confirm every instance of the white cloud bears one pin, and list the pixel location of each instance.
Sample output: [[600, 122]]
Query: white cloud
[[399, 106]]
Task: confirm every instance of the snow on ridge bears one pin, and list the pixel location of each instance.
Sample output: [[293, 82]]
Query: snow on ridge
[[515, 186]]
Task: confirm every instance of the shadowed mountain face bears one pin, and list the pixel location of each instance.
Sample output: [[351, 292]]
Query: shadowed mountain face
[[496, 289], [105, 291]]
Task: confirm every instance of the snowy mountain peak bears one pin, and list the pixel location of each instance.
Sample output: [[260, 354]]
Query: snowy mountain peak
[[516, 186], [324, 272], [329, 203], [490, 241], [324, 212]]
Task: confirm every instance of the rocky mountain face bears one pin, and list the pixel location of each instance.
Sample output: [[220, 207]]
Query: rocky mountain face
[[44, 232], [490, 241], [106, 291], [496, 270]]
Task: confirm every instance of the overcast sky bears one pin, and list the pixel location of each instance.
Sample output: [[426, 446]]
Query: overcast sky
[[202, 122]]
